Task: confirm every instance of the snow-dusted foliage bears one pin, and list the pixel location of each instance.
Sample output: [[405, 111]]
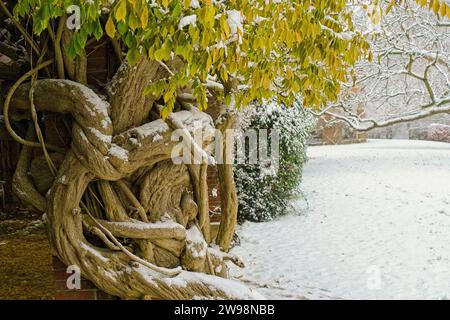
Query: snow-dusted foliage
[[264, 194]]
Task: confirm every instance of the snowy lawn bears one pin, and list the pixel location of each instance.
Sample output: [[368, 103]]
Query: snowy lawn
[[376, 225]]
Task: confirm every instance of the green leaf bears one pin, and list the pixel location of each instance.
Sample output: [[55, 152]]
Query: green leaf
[[133, 56], [121, 11]]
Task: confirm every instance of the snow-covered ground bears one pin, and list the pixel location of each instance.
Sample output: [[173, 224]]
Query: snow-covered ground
[[376, 226]]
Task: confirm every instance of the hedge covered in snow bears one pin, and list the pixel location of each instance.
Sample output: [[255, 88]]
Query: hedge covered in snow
[[264, 193]]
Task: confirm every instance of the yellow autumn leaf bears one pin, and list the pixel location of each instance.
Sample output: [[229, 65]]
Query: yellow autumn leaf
[[165, 112], [448, 12], [376, 16], [436, 6], [265, 82], [110, 28], [289, 74], [391, 4], [133, 21], [144, 17], [443, 9], [121, 11], [295, 86]]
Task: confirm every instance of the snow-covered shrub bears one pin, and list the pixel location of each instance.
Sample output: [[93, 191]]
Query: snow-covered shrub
[[264, 194]]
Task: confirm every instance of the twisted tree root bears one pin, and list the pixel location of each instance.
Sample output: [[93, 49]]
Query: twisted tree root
[[115, 272], [98, 153]]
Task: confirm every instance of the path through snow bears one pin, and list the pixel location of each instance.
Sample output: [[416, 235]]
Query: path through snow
[[378, 208]]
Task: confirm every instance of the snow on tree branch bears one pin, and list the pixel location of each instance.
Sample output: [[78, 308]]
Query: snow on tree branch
[[409, 77]]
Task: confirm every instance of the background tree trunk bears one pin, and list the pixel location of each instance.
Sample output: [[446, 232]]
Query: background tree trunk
[[228, 193]]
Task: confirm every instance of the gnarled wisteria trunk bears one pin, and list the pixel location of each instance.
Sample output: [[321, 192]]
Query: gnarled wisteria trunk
[[135, 223]]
